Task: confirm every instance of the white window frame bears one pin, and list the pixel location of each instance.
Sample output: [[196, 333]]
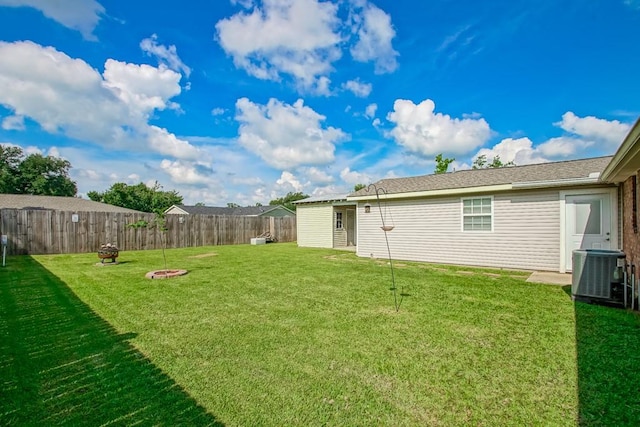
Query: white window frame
[[463, 215], [340, 221]]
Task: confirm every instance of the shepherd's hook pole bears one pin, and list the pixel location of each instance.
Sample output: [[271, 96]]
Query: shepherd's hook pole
[[386, 239]]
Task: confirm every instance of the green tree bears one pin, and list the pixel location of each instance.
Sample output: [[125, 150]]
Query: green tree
[[481, 162], [442, 164], [34, 174], [287, 201], [358, 187], [233, 205], [200, 204], [139, 197], [10, 159]]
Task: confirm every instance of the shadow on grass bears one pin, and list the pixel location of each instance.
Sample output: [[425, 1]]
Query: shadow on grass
[[608, 358], [60, 363]]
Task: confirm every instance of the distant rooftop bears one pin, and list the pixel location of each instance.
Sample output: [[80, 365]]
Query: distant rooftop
[[57, 203]]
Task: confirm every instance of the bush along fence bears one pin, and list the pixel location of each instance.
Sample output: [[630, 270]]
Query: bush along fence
[[57, 232]]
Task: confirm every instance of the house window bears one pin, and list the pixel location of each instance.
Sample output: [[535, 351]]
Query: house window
[[339, 220], [477, 214]]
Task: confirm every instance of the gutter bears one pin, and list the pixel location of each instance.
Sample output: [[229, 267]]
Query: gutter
[[433, 193], [559, 182], [591, 180]]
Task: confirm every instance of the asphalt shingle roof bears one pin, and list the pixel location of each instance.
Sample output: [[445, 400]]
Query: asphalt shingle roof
[[239, 211], [57, 203], [325, 198], [565, 170]]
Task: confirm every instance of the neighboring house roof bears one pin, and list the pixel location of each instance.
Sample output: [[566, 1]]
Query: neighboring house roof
[[325, 198], [626, 161], [56, 203], [239, 211], [570, 172]]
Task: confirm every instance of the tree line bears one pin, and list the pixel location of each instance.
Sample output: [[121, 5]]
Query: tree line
[[49, 176]]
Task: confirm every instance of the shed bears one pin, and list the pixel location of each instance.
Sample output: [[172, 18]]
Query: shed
[[326, 222]]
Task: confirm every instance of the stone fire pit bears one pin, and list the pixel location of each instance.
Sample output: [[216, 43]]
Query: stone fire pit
[[165, 274]]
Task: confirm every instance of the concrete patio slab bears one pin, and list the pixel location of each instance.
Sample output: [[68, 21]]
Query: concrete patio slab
[[550, 278]]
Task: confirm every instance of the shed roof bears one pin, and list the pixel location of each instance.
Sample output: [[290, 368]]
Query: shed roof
[[238, 211], [57, 203], [541, 173], [325, 198]]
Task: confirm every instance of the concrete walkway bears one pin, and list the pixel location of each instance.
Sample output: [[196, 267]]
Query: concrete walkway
[[550, 277]]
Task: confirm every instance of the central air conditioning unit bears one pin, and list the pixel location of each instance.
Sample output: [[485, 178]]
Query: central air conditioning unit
[[597, 275]]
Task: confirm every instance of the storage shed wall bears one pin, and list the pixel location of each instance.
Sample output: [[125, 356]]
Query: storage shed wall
[[315, 225]]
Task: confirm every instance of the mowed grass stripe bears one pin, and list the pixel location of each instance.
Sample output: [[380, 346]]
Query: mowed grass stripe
[[280, 335]]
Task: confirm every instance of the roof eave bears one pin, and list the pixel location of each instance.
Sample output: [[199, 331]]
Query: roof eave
[[572, 182], [178, 208], [626, 161], [434, 193]]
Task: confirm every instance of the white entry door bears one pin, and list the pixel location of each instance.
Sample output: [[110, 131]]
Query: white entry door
[[351, 227], [588, 223]]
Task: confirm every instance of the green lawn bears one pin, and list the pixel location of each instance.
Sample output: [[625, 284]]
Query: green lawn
[[277, 335]]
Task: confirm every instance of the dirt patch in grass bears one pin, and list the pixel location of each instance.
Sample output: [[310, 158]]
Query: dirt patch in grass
[[210, 254]]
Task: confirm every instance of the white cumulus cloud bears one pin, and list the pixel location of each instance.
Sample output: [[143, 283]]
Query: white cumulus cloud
[[142, 87], [302, 39], [68, 96], [370, 111], [186, 172], [374, 34], [358, 88], [353, 177], [592, 128], [520, 151], [286, 136], [165, 55], [13, 123], [421, 130], [582, 133], [80, 15], [316, 176], [298, 38], [288, 181]]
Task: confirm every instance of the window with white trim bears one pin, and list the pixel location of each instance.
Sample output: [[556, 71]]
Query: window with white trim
[[338, 220], [477, 214]]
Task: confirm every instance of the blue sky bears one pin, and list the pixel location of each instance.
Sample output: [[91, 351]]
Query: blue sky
[[243, 101]]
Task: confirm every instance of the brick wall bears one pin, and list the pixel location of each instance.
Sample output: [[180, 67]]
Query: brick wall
[[630, 225]]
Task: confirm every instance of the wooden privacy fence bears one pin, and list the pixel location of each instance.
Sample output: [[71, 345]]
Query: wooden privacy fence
[[56, 232]]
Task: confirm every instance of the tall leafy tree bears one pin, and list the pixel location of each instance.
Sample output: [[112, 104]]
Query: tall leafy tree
[[139, 197], [287, 201], [442, 164], [10, 159], [358, 187], [34, 174], [481, 162]]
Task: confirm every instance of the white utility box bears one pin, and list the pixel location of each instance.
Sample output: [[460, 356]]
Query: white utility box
[[258, 241]]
